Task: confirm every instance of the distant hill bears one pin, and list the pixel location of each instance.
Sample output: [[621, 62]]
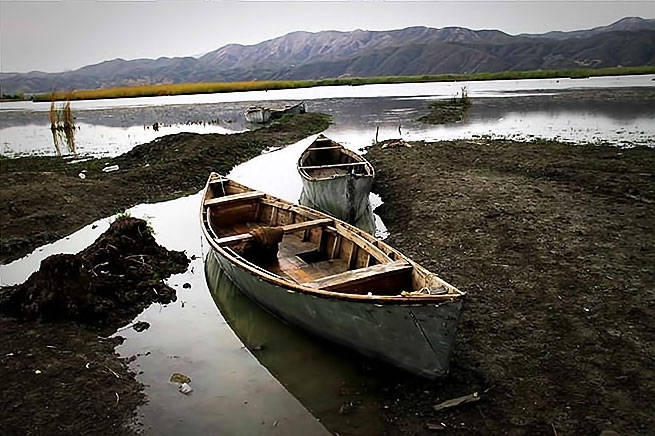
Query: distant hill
[[629, 24], [410, 51]]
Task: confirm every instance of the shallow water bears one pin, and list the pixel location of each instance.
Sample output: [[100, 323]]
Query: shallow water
[[233, 394], [111, 127], [251, 373]]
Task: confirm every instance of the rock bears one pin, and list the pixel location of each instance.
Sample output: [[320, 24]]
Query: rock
[[177, 377]]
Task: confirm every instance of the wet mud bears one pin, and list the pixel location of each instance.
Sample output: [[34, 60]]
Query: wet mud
[[550, 243], [59, 367]]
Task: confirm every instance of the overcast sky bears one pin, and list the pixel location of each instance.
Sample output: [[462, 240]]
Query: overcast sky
[[64, 35]]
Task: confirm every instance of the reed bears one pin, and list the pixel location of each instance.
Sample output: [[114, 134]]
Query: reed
[[53, 115], [62, 125], [255, 85], [451, 110]]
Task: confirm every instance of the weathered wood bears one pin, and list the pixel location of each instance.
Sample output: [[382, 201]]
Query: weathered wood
[[289, 228], [304, 225], [368, 312], [341, 165], [252, 195], [234, 239], [368, 246], [360, 276], [218, 180], [331, 147], [457, 401]]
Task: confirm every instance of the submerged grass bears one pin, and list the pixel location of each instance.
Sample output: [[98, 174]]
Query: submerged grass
[[220, 87], [448, 111]]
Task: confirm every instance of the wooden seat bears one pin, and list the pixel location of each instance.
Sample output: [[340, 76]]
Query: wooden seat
[[250, 195], [376, 279], [289, 228]]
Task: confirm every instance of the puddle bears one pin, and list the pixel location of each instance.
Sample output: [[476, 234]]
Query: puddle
[[232, 392], [91, 139]]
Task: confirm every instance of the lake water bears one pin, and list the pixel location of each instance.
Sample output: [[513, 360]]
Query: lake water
[[252, 374], [112, 127]]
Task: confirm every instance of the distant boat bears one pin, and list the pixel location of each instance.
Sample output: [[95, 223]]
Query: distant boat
[[257, 114], [337, 181], [262, 114], [331, 278]]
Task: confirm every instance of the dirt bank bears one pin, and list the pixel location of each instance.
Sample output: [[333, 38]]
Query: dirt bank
[[61, 374], [552, 244], [43, 199], [59, 367]]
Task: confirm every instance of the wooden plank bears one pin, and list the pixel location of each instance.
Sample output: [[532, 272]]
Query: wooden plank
[[251, 195], [332, 147], [368, 246], [360, 276], [218, 180], [341, 165], [307, 225], [336, 246], [289, 228], [234, 239]]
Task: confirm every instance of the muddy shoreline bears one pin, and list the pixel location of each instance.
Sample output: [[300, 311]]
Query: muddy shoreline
[[550, 243], [549, 240], [43, 199]]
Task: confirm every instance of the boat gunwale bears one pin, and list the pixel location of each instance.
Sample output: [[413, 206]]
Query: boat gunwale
[[290, 286], [359, 159]]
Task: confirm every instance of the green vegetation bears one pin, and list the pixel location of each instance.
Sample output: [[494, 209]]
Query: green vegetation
[[219, 87], [123, 214], [12, 97], [126, 214], [448, 111]]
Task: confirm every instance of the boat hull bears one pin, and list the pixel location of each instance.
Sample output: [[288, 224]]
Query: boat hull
[[344, 197], [259, 115], [418, 338]]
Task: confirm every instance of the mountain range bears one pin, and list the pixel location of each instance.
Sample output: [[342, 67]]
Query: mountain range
[[360, 53]]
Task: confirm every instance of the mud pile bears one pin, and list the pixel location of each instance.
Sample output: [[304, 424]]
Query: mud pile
[[108, 283]]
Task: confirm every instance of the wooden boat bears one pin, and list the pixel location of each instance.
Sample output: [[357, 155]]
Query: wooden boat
[[262, 115], [337, 181], [291, 109], [257, 114], [331, 278]]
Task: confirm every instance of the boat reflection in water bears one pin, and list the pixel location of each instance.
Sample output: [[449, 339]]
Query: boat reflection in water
[[334, 385]]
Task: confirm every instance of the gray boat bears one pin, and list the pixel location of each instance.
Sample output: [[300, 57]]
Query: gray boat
[[262, 115], [331, 278], [337, 181]]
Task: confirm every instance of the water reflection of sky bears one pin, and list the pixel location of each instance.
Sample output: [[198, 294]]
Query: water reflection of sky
[[92, 139], [109, 132]]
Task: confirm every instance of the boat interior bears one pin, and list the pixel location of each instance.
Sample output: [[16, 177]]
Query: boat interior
[[326, 158], [302, 246]]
